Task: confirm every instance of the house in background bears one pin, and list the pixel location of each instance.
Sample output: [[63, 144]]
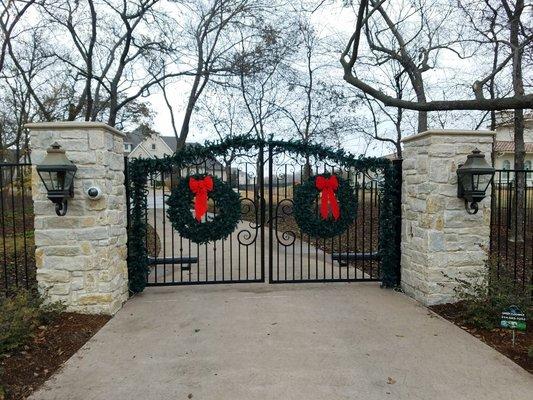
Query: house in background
[[146, 143], [504, 148]]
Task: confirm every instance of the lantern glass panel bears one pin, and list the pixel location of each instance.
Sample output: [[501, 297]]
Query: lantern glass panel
[[58, 180], [69, 177], [55, 181], [481, 181], [466, 181], [49, 179]]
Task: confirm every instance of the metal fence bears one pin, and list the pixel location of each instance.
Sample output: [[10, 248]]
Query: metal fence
[[17, 247], [511, 244]]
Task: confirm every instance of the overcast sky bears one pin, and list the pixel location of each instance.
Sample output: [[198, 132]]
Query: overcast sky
[[330, 20], [337, 23]]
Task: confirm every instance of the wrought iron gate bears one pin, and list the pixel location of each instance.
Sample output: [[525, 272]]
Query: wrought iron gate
[[267, 244]]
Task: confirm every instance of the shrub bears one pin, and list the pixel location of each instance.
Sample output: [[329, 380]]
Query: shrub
[[486, 294], [20, 315]]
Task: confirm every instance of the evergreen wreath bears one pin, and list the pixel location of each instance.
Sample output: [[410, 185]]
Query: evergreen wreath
[[196, 189], [337, 210]]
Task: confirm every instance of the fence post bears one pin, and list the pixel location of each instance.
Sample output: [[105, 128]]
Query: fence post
[[81, 257], [440, 241]]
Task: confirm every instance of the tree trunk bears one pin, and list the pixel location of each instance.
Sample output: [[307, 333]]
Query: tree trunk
[[398, 124], [518, 87], [112, 120], [520, 181], [306, 170], [418, 85], [227, 172]]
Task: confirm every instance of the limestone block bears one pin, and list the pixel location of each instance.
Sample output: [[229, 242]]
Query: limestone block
[[53, 275]]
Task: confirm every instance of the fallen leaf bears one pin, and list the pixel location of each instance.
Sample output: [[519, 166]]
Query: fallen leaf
[[391, 381]]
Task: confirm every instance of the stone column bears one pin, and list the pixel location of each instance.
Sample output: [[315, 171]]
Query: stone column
[[81, 257], [440, 241]]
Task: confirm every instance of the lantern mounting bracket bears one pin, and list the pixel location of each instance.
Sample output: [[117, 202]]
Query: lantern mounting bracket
[[471, 209], [61, 208]]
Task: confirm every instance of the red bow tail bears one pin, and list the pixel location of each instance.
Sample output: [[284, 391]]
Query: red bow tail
[[328, 187], [200, 188]]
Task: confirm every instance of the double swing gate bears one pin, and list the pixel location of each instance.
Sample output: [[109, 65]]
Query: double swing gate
[[267, 244]]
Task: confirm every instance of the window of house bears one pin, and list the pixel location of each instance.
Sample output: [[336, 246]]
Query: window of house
[[506, 175], [527, 165], [153, 146], [127, 147]]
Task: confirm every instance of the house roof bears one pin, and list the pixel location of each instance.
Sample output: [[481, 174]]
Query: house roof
[[134, 138], [507, 146], [137, 136], [170, 141]]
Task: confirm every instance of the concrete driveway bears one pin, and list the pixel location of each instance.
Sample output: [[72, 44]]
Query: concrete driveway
[[309, 341]]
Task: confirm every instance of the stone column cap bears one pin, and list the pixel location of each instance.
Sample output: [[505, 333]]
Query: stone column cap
[[447, 132], [56, 125]]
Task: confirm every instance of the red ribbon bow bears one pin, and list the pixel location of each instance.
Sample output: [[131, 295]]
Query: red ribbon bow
[[328, 187], [200, 188]]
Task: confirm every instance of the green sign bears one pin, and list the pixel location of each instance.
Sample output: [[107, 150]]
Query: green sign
[[513, 318]]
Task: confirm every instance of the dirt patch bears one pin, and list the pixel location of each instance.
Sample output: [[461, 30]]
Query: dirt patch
[[499, 339], [24, 370]]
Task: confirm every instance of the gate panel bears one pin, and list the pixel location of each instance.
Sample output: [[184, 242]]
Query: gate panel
[[296, 257], [174, 260]]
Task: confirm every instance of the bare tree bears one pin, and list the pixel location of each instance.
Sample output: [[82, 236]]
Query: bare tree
[[222, 114], [383, 116], [116, 62], [500, 33], [317, 109], [218, 27], [21, 83], [350, 55], [501, 26], [10, 15]]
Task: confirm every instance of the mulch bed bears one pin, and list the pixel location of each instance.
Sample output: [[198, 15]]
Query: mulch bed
[[499, 339], [24, 370]]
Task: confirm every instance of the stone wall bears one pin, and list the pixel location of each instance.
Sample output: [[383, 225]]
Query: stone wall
[[81, 257], [440, 241]]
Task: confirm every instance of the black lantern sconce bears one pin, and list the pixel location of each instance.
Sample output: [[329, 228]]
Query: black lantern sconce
[[473, 179], [57, 173]]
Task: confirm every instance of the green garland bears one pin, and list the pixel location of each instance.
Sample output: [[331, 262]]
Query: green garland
[[139, 169], [223, 223], [305, 197], [389, 219]]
